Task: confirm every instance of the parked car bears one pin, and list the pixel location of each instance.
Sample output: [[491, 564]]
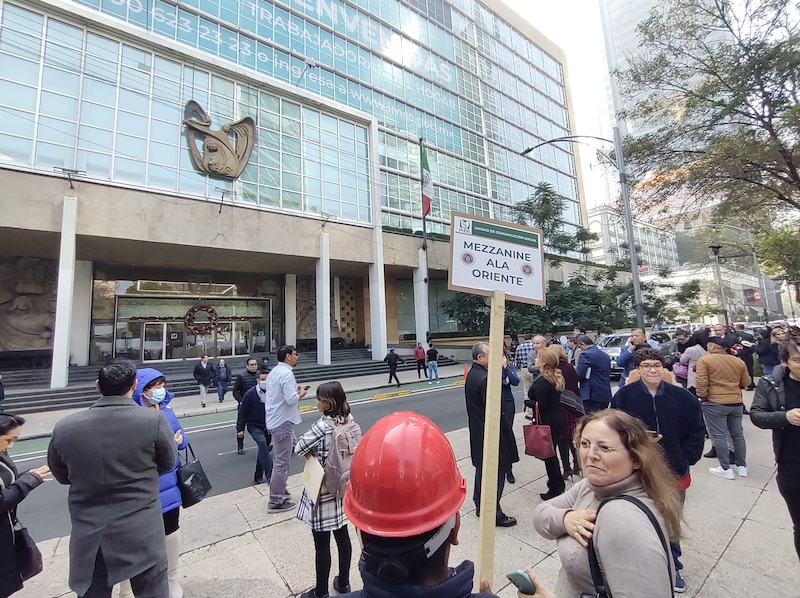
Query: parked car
[[613, 343]]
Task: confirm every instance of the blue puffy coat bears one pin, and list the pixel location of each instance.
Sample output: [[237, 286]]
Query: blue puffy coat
[[168, 492]]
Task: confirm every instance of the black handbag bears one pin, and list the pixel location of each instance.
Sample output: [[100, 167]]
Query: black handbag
[[600, 587], [192, 480], [29, 557]]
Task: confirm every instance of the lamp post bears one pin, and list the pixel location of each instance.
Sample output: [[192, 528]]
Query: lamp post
[[751, 242], [715, 249], [623, 184]]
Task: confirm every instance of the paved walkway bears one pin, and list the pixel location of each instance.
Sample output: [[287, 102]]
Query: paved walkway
[[738, 539]]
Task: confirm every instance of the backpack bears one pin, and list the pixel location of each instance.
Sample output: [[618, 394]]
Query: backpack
[[345, 439]]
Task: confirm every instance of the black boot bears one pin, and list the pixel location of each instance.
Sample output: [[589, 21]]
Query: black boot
[[712, 454]]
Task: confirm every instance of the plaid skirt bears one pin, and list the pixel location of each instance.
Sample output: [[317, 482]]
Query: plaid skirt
[[327, 515]]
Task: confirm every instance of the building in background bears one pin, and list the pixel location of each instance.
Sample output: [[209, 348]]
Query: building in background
[[655, 245], [117, 241]]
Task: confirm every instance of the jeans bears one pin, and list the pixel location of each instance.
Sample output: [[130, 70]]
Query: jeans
[[264, 459], [476, 491], [150, 583], [433, 367], [722, 420], [222, 388], [282, 447], [789, 487], [675, 546], [203, 392], [768, 369]]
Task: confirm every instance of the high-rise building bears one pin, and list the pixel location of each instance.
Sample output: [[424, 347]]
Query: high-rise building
[[225, 176]]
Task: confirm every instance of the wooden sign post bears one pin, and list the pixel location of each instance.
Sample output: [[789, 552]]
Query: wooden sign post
[[497, 259]]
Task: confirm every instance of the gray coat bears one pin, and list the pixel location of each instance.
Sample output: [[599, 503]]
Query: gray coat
[[111, 456]]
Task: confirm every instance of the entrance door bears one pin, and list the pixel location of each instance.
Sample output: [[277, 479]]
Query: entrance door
[[176, 348], [224, 339], [153, 349]]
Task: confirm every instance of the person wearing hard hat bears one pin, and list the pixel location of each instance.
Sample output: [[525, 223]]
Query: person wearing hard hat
[[404, 497]]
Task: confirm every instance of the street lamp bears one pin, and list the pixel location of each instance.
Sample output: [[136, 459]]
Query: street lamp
[[715, 249], [751, 242], [626, 204]]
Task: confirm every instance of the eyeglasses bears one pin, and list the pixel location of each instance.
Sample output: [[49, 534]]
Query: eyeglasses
[[653, 367], [601, 449]]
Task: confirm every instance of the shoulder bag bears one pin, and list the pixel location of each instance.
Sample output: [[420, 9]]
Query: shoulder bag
[[29, 557], [601, 590], [192, 480], [538, 439]]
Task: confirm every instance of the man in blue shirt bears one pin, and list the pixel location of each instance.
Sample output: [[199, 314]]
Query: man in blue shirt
[[625, 359], [281, 414]]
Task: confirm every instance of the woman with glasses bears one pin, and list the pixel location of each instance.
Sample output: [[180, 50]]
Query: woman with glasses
[[619, 458], [767, 348]]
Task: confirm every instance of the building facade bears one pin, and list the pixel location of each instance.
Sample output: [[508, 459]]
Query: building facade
[[124, 234], [655, 245]]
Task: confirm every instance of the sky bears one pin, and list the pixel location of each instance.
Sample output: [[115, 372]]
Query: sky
[[575, 26]]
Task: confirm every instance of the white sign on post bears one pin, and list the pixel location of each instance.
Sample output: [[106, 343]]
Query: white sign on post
[[488, 255]]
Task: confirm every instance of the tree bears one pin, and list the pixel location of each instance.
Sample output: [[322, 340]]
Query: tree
[[716, 86], [779, 251], [544, 210]]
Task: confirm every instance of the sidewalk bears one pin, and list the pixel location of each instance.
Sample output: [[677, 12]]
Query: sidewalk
[[738, 538], [38, 425]]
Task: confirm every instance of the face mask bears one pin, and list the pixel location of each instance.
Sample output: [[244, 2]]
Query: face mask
[[262, 384], [159, 394]]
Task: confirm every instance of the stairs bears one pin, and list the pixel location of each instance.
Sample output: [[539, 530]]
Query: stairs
[[27, 391]]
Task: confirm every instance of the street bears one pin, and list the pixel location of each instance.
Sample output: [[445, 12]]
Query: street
[[45, 513]]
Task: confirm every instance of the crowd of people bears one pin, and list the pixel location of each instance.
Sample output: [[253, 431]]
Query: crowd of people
[[631, 454]]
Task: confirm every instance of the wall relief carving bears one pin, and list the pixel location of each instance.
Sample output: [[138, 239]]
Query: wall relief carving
[[219, 153], [27, 303]]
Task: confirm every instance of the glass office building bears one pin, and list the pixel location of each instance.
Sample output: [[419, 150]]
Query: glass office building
[[341, 92]]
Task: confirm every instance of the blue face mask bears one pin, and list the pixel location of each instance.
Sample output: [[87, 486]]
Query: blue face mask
[[262, 384], [159, 394]]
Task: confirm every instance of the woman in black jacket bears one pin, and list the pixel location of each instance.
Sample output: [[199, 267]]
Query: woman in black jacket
[[767, 348], [13, 489], [545, 392]]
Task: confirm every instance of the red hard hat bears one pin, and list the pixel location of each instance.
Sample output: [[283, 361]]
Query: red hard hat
[[403, 478]]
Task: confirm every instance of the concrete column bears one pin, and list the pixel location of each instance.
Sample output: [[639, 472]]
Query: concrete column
[[290, 309], [324, 301], [81, 313], [421, 316], [377, 298], [59, 374]]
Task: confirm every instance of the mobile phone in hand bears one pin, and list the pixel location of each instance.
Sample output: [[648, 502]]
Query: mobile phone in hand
[[521, 580], [307, 387]]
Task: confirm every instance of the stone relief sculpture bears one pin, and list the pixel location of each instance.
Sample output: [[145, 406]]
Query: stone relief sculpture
[[225, 152], [27, 303]]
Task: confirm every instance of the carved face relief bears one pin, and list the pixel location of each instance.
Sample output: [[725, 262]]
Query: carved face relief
[[219, 153]]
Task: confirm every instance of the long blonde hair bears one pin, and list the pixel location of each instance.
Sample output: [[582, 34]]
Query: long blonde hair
[[549, 369], [657, 478]]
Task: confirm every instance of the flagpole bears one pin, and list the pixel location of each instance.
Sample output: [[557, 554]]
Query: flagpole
[[422, 186]]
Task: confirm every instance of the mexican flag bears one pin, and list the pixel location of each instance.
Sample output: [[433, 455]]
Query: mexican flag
[[427, 185]]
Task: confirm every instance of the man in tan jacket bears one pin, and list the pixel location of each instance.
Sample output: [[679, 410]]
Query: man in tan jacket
[[720, 380]]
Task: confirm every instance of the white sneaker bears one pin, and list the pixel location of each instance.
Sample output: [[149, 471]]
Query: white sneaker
[[429, 382], [726, 474], [742, 471]]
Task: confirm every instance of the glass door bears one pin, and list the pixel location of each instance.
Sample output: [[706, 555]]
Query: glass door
[[241, 338], [153, 349], [224, 339], [176, 347]]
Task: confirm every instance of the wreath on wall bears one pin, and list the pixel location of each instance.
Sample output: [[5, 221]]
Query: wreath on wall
[[203, 327]]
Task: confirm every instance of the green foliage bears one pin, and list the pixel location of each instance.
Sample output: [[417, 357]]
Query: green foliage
[[779, 251], [543, 210], [716, 85]]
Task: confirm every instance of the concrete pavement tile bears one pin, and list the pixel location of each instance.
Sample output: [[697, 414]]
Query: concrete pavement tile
[[290, 549], [768, 552], [208, 526], [234, 567], [696, 568], [770, 509], [708, 528], [730, 578]]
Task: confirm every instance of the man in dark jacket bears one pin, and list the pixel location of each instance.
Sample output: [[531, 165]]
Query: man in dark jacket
[[594, 371], [393, 359], [746, 347], [475, 395], [251, 415], [673, 415], [203, 374], [117, 529], [244, 382], [776, 407]]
